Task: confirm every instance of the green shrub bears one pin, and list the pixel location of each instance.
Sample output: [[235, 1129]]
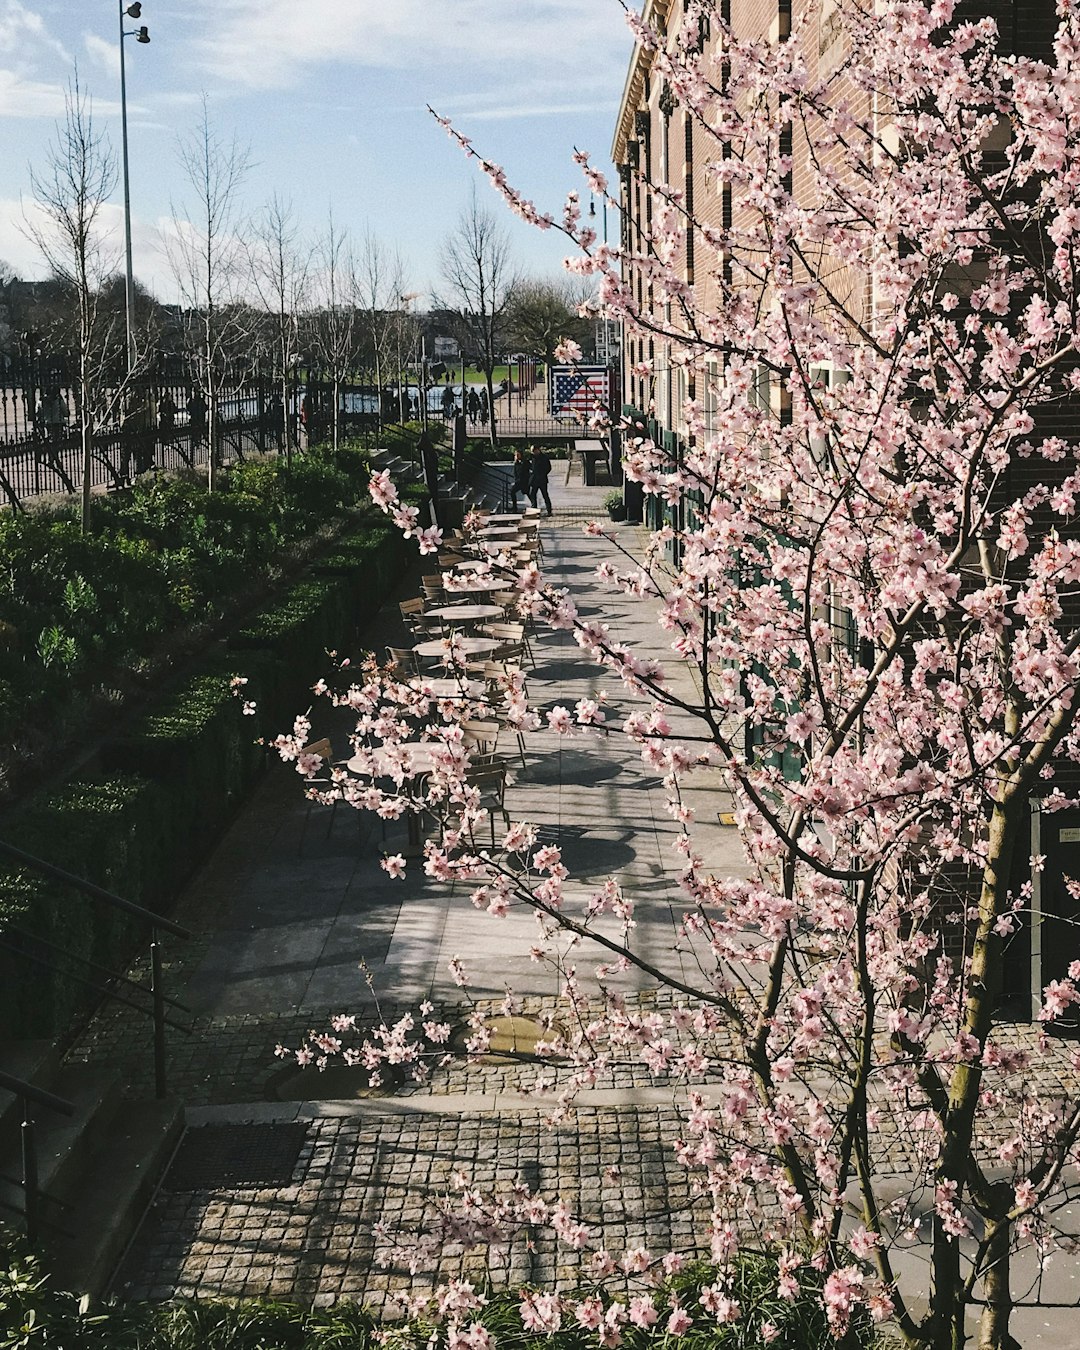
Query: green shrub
[[171, 782], [31, 1308], [111, 830]]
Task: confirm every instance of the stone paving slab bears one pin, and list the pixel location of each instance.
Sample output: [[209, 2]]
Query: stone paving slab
[[313, 1239]]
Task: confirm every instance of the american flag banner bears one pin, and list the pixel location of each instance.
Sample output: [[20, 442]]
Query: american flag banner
[[579, 390]]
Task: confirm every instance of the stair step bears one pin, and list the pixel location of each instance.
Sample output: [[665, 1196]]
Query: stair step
[[64, 1142], [36, 1062], [111, 1199]]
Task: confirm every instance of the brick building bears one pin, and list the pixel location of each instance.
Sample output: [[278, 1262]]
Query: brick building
[[658, 140]]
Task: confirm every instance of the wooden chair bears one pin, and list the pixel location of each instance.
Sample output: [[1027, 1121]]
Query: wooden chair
[[510, 635], [412, 611], [482, 737], [490, 780], [403, 660], [320, 784]]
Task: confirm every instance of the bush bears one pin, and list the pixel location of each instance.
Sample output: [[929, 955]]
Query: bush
[[43, 1316], [171, 782], [112, 830], [78, 611]]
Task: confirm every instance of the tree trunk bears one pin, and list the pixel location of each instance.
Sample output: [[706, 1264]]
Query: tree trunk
[[493, 435], [87, 443], [994, 1322]]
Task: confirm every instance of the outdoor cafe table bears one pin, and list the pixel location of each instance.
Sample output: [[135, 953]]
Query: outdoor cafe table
[[381, 763], [443, 687], [476, 585], [502, 520], [498, 532], [468, 646], [464, 613]]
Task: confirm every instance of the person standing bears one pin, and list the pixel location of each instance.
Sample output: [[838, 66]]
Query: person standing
[[539, 473], [196, 411], [522, 480], [166, 416]]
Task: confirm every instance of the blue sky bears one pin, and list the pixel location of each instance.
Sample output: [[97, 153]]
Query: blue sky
[[329, 96]]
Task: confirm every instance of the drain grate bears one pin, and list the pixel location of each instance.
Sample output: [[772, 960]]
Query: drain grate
[[236, 1157]]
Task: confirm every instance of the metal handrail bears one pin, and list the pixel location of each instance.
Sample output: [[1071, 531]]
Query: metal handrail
[[38, 960], [27, 1093], [32, 1093], [91, 888], [156, 922], [35, 940]]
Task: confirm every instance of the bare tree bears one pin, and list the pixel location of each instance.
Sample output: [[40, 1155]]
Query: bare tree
[[71, 192], [279, 270], [333, 328], [205, 257], [380, 285], [479, 277]]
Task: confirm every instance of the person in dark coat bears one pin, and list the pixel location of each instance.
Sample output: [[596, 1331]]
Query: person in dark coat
[[522, 476], [539, 473]]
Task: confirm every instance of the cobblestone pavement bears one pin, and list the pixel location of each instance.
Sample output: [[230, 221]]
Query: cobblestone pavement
[[313, 1239]]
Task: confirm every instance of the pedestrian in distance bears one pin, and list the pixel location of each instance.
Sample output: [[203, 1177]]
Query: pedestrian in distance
[[275, 421], [166, 416], [473, 405], [522, 480], [539, 474], [196, 411]]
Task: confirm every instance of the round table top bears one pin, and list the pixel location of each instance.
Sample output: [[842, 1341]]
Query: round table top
[[465, 585], [383, 762], [463, 612], [497, 532], [443, 687], [470, 646], [505, 519]]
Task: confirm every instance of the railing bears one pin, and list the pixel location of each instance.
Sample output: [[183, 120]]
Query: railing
[[32, 948], [32, 1192]]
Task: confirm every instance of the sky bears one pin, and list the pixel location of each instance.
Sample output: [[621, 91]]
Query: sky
[[328, 98]]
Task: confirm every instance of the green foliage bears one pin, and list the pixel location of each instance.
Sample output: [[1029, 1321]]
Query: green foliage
[[109, 830], [168, 786], [77, 611], [33, 1314]]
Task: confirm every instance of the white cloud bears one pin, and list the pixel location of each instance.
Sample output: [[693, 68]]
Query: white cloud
[[22, 30], [105, 55], [21, 97], [266, 43], [530, 110]]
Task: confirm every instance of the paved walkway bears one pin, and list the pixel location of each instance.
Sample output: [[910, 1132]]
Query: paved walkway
[[299, 1184], [290, 937]]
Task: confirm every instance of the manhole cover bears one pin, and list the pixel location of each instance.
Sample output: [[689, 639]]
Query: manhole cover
[[512, 1038], [236, 1157]]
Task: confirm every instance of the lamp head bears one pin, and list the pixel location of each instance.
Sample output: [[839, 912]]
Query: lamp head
[[142, 34], [134, 11]]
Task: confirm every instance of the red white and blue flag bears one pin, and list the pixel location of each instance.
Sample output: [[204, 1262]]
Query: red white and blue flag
[[580, 390]]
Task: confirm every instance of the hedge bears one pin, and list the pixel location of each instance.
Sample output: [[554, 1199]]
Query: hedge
[[34, 1313], [110, 830], [165, 789]]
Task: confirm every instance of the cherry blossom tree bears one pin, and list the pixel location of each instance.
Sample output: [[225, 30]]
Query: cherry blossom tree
[[873, 641]]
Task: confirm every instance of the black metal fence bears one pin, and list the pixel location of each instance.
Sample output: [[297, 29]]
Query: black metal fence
[[163, 421]]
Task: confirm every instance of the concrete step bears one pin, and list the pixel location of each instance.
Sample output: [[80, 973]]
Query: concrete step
[[35, 1062], [64, 1143], [112, 1196]]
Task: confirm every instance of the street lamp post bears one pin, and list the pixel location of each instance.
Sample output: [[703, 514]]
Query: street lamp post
[[133, 11]]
